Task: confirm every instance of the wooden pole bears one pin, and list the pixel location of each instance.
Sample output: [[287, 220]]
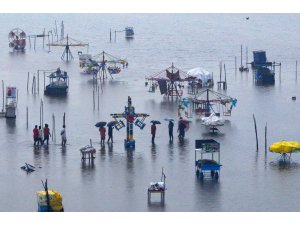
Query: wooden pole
[[266, 138], [29, 41], [110, 34], [41, 113], [27, 81], [27, 117], [44, 38], [235, 69], [64, 119], [3, 95], [94, 98], [280, 72], [255, 133], [38, 81], [34, 41], [246, 57], [225, 84], [241, 55], [98, 96], [53, 128], [44, 81]]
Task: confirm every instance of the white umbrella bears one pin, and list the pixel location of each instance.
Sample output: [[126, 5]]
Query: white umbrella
[[201, 74]]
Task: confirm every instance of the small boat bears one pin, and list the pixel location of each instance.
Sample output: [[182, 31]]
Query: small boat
[[59, 83], [129, 33]]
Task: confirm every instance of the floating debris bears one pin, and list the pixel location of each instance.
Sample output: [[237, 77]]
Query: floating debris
[[28, 168]]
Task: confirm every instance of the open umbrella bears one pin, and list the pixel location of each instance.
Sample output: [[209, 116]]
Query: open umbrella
[[111, 123], [285, 147], [100, 124], [185, 122], [155, 122]]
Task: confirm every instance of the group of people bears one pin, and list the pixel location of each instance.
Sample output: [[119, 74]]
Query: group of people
[[180, 130], [40, 136], [102, 131]]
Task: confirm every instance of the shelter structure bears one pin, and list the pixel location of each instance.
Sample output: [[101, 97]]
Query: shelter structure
[[263, 70]]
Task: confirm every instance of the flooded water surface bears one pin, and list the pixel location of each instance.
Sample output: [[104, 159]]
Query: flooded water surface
[[118, 179]]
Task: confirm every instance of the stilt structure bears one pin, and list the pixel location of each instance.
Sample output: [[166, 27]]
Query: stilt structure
[[263, 71], [131, 118]]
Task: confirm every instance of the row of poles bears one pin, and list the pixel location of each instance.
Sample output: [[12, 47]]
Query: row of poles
[[256, 136], [43, 35], [42, 120]]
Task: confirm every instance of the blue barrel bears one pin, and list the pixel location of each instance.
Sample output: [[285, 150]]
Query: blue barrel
[[259, 57]]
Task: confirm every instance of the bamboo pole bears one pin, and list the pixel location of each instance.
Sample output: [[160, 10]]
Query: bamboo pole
[[98, 96], [235, 68], [225, 84], [255, 132], [2, 95], [27, 117], [266, 127], [53, 128], [64, 119], [27, 81], [38, 81]]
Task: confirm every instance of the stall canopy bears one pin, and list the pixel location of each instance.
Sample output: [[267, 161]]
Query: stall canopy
[[200, 74]]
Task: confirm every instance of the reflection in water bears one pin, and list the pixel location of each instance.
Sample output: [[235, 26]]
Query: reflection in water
[[284, 165], [11, 126], [156, 205], [209, 197], [153, 151]]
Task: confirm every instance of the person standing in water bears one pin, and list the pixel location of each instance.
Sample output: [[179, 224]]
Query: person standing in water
[[40, 138], [110, 134], [153, 131], [35, 135], [102, 131], [46, 133], [171, 126]]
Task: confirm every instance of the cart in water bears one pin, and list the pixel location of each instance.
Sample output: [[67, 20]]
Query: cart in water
[[207, 166]]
